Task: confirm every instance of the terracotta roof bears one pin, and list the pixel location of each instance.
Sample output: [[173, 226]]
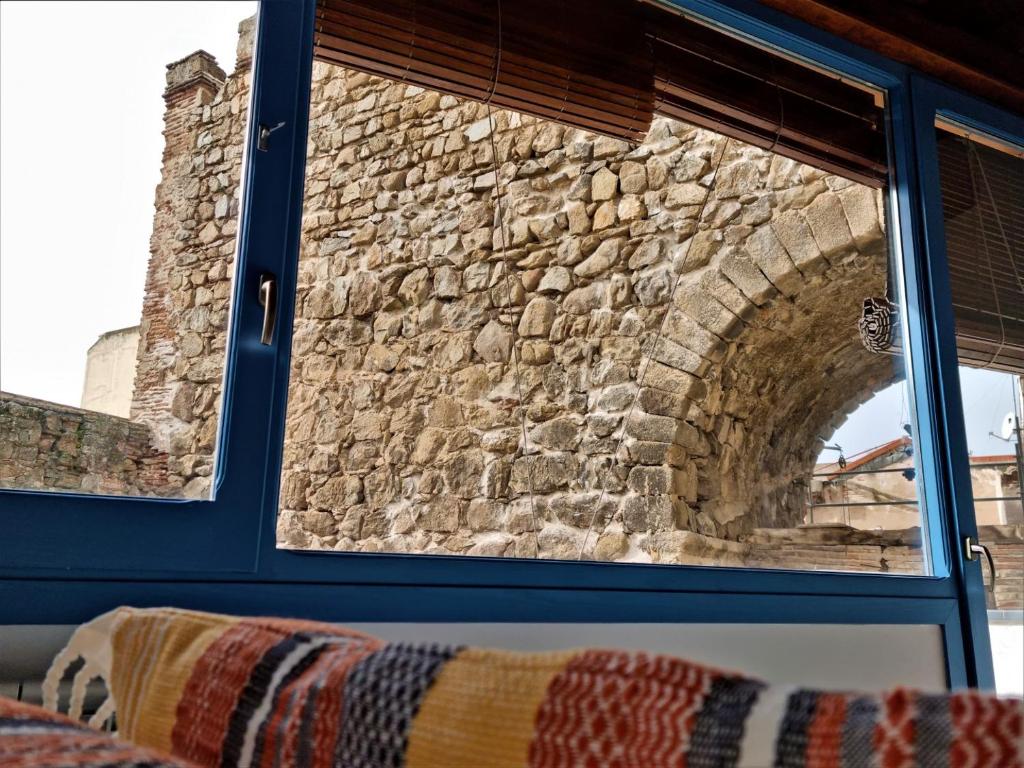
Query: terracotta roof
[[898, 445]]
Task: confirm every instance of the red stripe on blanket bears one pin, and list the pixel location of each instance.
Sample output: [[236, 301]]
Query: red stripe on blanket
[[219, 678], [894, 733], [611, 709], [987, 731], [825, 733]]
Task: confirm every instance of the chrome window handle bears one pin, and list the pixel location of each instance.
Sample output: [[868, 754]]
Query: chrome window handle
[[268, 300], [974, 548]]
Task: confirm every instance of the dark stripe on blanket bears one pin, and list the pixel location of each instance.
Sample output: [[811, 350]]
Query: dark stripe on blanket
[[933, 731], [858, 748], [382, 696], [305, 663], [254, 693], [715, 742], [791, 743]]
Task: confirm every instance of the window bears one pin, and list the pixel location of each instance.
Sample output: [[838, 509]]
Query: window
[[519, 338], [982, 183], [115, 301]]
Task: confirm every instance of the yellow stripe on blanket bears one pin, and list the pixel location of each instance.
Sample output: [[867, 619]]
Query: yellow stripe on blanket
[[481, 709], [156, 651]]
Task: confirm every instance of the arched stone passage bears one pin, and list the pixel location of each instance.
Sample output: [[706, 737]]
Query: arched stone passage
[[775, 361], [797, 370]]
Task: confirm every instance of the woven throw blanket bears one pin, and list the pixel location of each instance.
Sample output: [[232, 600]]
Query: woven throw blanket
[[32, 737], [225, 691]]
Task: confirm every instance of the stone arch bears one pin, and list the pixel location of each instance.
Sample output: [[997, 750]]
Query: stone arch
[[761, 359]]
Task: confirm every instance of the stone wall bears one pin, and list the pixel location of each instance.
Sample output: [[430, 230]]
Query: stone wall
[[188, 284], [404, 425], [423, 331], [54, 447]]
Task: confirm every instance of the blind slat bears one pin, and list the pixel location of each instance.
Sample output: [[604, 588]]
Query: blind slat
[[543, 58], [983, 211], [608, 66]]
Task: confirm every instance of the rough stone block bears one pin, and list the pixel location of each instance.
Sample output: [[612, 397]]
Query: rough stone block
[[796, 237], [684, 330], [601, 260], [604, 185], [652, 481], [561, 434], [632, 178], [547, 472], [648, 513], [485, 515], [537, 317], [827, 221], [696, 301], [746, 276], [860, 204], [494, 343], [771, 257]]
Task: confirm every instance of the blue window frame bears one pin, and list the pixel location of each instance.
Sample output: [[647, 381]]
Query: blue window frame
[[67, 558]]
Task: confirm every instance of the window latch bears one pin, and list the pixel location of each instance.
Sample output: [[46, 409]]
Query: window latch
[[263, 137], [972, 549], [268, 300]]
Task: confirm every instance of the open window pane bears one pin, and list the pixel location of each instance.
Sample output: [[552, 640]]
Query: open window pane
[[114, 314], [519, 338], [982, 182]]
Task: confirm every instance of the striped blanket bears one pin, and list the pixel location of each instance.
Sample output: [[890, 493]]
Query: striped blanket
[[223, 691], [32, 737]]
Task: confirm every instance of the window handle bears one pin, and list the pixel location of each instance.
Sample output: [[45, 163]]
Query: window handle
[[972, 549], [263, 137], [268, 300]]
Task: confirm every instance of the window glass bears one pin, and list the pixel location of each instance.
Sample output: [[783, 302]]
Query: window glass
[[517, 338], [982, 186], [121, 152]]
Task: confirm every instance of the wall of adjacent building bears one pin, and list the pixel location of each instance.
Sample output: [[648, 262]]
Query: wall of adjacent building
[[110, 372]]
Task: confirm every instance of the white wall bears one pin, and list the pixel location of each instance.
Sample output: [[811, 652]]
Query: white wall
[[856, 657], [110, 372]]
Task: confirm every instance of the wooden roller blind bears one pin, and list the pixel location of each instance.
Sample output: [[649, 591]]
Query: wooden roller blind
[[577, 62], [983, 209], [705, 77], [606, 66]]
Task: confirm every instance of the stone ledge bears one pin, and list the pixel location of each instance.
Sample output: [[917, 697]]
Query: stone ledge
[[48, 446], [197, 68]]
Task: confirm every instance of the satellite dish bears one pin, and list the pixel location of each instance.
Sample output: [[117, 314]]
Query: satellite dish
[[1009, 426]]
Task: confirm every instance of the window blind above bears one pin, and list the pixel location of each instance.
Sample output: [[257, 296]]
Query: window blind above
[[983, 210], [607, 66], [705, 77], [575, 62]]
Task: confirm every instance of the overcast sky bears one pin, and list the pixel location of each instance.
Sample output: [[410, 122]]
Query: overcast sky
[[80, 149]]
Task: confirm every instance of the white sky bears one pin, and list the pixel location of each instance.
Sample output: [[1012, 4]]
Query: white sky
[[80, 149], [987, 395]]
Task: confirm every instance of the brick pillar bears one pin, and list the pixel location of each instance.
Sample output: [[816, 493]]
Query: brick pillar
[[192, 83]]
